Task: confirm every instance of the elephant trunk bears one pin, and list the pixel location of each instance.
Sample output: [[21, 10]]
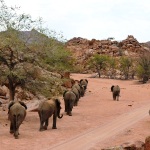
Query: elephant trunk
[[58, 114]]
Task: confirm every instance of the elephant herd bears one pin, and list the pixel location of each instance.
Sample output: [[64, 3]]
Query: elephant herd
[[51, 107], [46, 109]]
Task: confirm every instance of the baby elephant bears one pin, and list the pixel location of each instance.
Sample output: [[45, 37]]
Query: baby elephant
[[16, 115], [69, 101], [46, 109], [116, 92]]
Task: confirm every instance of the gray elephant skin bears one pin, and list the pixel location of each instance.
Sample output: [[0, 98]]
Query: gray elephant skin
[[46, 109], [80, 88], [69, 100], [84, 82], [115, 89], [16, 115], [77, 93]]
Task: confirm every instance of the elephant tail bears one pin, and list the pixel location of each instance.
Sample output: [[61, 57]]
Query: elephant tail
[[16, 122]]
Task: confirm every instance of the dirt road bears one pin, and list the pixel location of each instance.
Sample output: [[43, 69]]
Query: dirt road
[[90, 138], [96, 123]]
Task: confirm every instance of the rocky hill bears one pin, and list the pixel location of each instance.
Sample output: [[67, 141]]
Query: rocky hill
[[83, 48]]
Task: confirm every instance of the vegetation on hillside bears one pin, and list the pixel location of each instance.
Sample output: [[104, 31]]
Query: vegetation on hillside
[[27, 50], [98, 62], [143, 68], [127, 66]]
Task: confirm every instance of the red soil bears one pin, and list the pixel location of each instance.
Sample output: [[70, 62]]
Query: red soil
[[97, 122]]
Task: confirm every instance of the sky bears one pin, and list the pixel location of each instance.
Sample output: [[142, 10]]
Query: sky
[[91, 19]]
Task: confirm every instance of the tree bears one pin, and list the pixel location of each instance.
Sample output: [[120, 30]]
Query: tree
[[125, 65], [143, 68], [99, 62], [112, 66], [25, 47]]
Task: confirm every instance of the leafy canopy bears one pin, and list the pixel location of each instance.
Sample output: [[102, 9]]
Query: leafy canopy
[[26, 45]]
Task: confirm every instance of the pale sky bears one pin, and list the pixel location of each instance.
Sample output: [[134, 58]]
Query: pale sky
[[98, 19]]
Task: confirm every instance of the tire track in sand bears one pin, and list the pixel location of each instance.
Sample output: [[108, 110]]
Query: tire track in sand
[[88, 139]]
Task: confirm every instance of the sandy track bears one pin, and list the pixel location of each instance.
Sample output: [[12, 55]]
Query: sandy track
[[89, 139]]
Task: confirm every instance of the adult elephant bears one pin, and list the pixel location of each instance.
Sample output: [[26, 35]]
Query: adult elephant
[[69, 100], [84, 82], [115, 89], [16, 115], [46, 109], [80, 88]]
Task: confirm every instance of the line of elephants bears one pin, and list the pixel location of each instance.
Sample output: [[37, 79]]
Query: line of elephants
[[51, 107]]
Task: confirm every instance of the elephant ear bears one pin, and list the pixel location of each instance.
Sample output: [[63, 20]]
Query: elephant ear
[[64, 93], [86, 80], [57, 101], [23, 104], [112, 88], [80, 85], [11, 104], [81, 80]]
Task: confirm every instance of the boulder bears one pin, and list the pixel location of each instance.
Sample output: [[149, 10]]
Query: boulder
[[147, 143]]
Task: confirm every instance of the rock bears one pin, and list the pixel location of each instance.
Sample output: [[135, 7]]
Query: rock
[[84, 49], [2, 92], [147, 143]]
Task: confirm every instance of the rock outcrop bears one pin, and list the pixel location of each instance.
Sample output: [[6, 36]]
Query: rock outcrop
[[136, 145], [83, 49]]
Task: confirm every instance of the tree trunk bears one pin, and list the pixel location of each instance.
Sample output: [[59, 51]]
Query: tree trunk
[[145, 78], [98, 71], [11, 94], [126, 76], [11, 90], [99, 74]]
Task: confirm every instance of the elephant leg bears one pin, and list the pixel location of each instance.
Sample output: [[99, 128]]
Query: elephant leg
[[65, 106], [11, 128], [76, 103], [71, 104], [114, 96], [70, 113], [46, 124], [54, 121], [41, 125], [117, 98], [16, 133]]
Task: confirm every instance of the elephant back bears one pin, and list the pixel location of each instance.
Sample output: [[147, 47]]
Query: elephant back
[[47, 105], [70, 95], [116, 88], [77, 86], [75, 90], [17, 110]]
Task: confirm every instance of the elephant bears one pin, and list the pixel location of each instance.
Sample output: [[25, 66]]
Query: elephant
[[80, 88], [69, 100], [16, 115], [84, 82], [46, 109], [115, 91], [77, 93]]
